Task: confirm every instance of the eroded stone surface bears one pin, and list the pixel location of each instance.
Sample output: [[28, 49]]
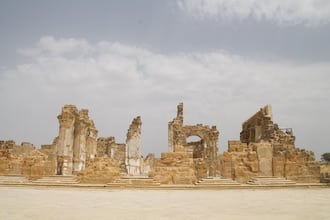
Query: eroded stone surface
[[266, 150], [206, 148], [76, 140], [99, 170], [174, 168], [133, 145], [263, 150]]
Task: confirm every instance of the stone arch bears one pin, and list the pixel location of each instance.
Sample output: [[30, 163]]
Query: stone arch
[[206, 149], [196, 146]]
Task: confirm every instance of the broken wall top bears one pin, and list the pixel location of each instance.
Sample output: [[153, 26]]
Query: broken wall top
[[70, 114], [134, 128], [260, 127]]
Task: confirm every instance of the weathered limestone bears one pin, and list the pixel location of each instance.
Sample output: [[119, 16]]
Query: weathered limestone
[[99, 170], [23, 160], [76, 140], [325, 172], [133, 145], [206, 148], [36, 165], [107, 146], [174, 168], [266, 150], [260, 127], [148, 164]]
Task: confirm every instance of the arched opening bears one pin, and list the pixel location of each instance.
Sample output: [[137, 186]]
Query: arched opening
[[195, 144]]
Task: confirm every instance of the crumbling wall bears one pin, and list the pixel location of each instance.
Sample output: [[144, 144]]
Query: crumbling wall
[[206, 148], [100, 170], [267, 150], [10, 160], [107, 146], [260, 127], [240, 162], [24, 160], [174, 168], [36, 165], [296, 164], [133, 146], [148, 164], [325, 172]]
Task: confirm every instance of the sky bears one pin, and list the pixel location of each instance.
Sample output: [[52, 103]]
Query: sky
[[224, 59]]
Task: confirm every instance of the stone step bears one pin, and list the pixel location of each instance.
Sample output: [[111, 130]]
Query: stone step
[[13, 179], [134, 181], [216, 181], [262, 180], [57, 180]]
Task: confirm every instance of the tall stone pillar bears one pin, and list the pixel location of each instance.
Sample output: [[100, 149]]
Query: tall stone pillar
[[91, 141], [66, 140], [176, 137], [76, 141], [133, 146], [79, 147]]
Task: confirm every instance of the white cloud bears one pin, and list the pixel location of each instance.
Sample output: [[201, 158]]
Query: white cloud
[[281, 12], [117, 82]]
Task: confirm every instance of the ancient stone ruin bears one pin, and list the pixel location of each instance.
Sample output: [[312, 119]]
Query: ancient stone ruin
[[76, 141], [264, 150], [206, 148], [133, 157]]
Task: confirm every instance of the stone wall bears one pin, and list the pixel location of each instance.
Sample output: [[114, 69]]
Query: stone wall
[[325, 172], [24, 160], [107, 146], [174, 168], [99, 170], [148, 164], [260, 127], [206, 148], [10, 160], [267, 150]]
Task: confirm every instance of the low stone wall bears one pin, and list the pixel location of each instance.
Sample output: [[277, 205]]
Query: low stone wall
[[99, 170], [33, 164], [174, 168]]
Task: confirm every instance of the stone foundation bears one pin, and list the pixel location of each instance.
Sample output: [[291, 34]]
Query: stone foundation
[[174, 168], [99, 170]]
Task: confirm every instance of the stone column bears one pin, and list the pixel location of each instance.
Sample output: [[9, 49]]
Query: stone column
[[79, 147], [91, 141], [133, 145], [65, 141]]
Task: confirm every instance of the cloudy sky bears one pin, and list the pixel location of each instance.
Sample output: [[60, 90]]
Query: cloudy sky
[[224, 59]]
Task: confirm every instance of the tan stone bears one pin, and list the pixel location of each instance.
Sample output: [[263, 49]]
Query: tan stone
[[270, 152], [99, 170], [133, 158], [174, 168], [206, 148]]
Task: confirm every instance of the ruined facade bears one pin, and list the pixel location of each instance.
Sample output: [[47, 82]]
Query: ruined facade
[[206, 148], [76, 141], [24, 160], [266, 150], [108, 147]]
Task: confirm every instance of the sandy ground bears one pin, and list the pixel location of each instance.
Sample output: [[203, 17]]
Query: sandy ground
[[34, 203]]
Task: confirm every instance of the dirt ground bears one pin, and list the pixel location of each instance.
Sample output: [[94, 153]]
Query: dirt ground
[[76, 204]]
